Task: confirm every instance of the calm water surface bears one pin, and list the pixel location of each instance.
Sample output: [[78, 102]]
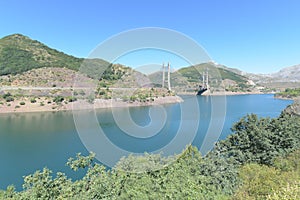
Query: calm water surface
[[31, 141]]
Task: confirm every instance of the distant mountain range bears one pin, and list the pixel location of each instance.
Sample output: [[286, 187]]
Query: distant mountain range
[[287, 74], [19, 53], [288, 77]]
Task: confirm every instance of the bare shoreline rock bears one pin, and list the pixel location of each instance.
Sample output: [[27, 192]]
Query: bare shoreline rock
[[15, 106], [293, 109]]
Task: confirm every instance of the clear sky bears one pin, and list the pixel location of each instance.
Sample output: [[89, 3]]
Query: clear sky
[[252, 35]]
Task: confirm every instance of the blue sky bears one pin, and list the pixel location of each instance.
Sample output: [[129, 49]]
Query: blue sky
[[259, 36]]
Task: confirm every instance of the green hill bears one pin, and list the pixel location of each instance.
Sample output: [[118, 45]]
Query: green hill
[[188, 78], [19, 53], [193, 73]]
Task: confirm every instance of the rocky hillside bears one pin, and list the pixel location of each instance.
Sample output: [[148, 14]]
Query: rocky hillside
[[288, 74], [47, 77], [293, 109], [288, 77]]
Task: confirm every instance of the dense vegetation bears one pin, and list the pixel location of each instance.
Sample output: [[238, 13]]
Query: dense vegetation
[[259, 160], [19, 53], [289, 93]]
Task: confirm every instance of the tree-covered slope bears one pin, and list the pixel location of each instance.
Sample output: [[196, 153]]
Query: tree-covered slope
[[19, 53]]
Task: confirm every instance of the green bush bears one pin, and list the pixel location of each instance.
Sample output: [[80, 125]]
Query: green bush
[[101, 92], [71, 99], [4, 96], [9, 99], [133, 98], [58, 99], [22, 103], [32, 100], [81, 92], [91, 99], [261, 181]]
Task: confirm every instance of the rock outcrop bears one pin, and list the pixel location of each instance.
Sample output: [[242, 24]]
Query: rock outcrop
[[294, 109]]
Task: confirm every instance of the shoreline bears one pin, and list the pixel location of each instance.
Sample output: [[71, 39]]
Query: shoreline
[[232, 93], [103, 103], [287, 98], [79, 105], [226, 93]]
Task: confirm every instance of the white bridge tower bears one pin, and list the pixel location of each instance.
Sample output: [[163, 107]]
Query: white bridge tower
[[168, 67]]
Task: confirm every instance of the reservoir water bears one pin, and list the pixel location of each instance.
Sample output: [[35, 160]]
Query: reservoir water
[[31, 141]]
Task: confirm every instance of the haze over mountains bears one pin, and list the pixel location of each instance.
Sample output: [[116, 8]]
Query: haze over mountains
[[288, 74], [19, 53]]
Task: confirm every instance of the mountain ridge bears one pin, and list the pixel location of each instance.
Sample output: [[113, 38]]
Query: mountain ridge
[[19, 53]]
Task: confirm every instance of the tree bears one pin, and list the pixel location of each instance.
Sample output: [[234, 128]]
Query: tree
[[266, 182], [257, 181], [291, 191], [58, 99]]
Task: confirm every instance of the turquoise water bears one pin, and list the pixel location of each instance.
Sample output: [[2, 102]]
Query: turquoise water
[[31, 141]]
